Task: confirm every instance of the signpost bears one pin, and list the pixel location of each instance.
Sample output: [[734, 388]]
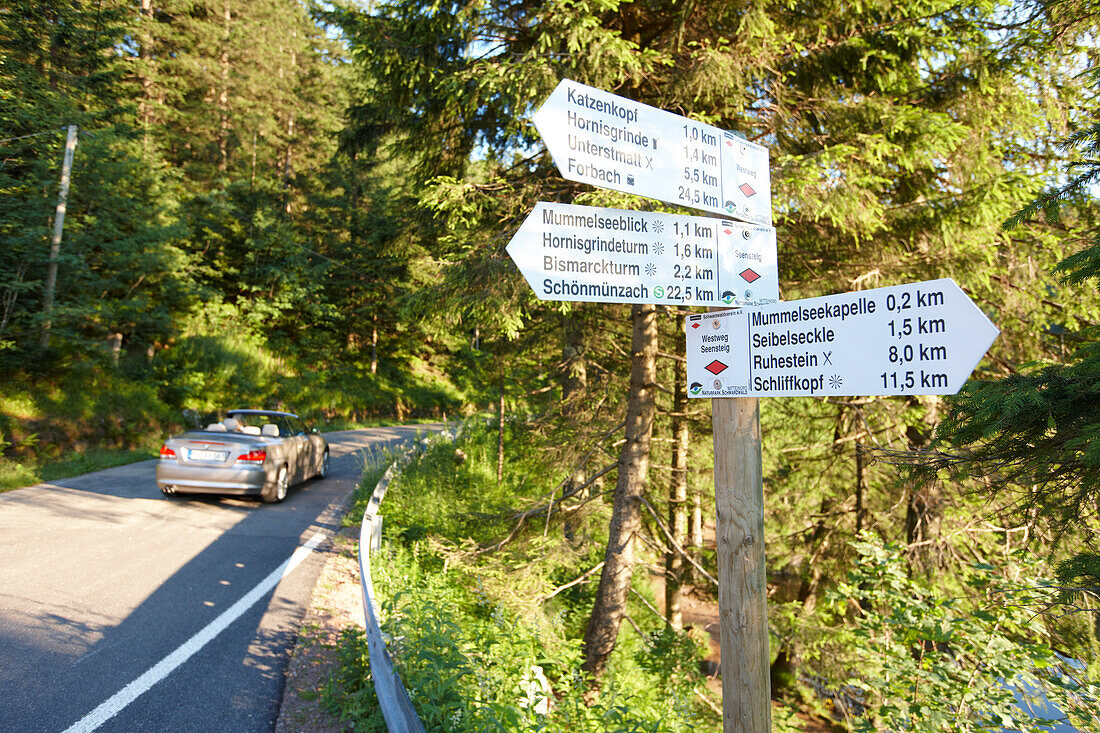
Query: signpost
[[916, 339], [611, 256], [921, 338], [609, 141]]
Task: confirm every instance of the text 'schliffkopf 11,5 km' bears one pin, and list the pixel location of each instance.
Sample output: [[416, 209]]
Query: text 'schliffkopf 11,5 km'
[[916, 339]]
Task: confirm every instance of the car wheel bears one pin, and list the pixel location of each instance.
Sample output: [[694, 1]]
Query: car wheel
[[324, 465], [277, 491]]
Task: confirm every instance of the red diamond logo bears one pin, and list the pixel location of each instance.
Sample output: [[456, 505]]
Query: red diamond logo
[[749, 275], [728, 231], [695, 325], [716, 367], [748, 190]]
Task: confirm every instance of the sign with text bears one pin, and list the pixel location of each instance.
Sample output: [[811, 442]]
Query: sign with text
[[916, 339], [612, 142], [598, 255]]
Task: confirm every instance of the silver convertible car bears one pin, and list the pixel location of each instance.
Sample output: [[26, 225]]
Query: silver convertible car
[[250, 452]]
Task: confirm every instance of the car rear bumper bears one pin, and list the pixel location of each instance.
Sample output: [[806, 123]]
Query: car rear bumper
[[207, 480]]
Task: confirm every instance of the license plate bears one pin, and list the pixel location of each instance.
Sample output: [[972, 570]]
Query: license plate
[[207, 455]]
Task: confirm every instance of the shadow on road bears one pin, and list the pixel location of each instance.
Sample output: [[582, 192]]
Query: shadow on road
[[60, 656]]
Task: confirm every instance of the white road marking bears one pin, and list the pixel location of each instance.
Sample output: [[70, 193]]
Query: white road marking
[[164, 667]]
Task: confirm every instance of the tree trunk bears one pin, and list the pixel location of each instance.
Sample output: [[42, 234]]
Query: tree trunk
[[147, 55], [859, 489], [500, 425], [374, 343], [677, 489], [223, 92], [923, 512], [574, 387], [289, 152], [695, 498], [924, 506], [115, 341], [611, 597], [55, 243], [574, 378]]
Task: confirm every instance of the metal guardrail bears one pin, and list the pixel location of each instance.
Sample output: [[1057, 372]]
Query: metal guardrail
[[393, 698]]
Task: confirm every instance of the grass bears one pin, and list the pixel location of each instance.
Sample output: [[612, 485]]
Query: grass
[[473, 631], [93, 460], [17, 475], [341, 423], [20, 474]]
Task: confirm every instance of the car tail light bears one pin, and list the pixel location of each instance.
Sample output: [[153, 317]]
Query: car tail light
[[166, 452], [253, 457]]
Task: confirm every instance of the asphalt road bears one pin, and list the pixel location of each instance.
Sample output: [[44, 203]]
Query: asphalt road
[[121, 610]]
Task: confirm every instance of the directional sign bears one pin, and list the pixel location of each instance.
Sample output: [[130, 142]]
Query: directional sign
[[921, 338], [609, 141], [599, 255]]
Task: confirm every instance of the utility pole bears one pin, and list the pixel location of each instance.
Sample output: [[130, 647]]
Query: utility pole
[[55, 244]]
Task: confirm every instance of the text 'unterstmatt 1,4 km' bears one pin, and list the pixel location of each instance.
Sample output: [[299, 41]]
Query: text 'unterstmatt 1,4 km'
[[612, 142]]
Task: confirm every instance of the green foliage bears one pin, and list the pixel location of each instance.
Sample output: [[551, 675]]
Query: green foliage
[[1083, 568], [1035, 433], [1079, 589], [372, 474], [473, 633], [349, 693], [272, 216], [118, 269], [441, 476], [16, 475], [925, 661], [199, 372], [1036, 429]]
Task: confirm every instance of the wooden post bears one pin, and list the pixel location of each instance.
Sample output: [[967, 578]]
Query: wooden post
[[55, 243], [742, 583]]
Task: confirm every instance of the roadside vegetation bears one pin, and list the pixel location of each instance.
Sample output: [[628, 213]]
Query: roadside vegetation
[[485, 598], [65, 420], [487, 608], [303, 205]]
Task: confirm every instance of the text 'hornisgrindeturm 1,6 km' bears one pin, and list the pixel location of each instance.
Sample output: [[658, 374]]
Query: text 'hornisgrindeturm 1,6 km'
[[599, 255]]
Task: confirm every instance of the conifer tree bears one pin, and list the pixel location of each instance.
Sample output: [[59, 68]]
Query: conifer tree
[[1035, 434], [118, 272], [900, 135]]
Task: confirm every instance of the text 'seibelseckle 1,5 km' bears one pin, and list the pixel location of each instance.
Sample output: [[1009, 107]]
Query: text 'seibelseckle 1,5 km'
[[612, 142], [598, 255], [916, 339]]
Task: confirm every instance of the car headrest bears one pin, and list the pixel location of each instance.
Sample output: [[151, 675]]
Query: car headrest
[[250, 430], [215, 427], [231, 423], [271, 430]]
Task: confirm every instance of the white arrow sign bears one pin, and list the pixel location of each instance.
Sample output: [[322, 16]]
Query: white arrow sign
[[609, 141], [921, 338], [599, 255]]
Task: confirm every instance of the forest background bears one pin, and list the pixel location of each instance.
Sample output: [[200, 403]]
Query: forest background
[[306, 205]]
